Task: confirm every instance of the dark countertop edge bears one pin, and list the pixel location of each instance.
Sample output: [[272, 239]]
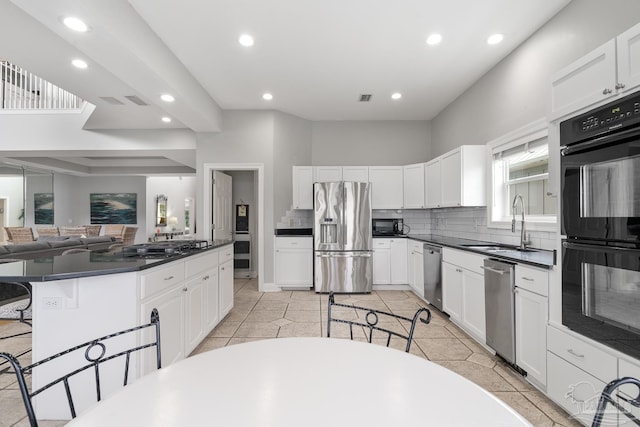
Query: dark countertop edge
[[442, 241], [117, 270], [293, 232]]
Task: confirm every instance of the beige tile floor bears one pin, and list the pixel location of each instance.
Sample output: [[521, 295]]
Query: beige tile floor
[[257, 315]]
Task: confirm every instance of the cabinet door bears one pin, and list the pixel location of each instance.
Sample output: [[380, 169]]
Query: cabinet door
[[590, 79], [302, 187], [418, 273], [194, 310], [170, 306], [355, 173], [212, 303], [473, 310], [531, 334], [433, 189], [386, 187], [413, 176], [381, 266], [225, 280], [452, 291], [398, 262], [294, 267], [451, 179], [628, 44], [327, 173]]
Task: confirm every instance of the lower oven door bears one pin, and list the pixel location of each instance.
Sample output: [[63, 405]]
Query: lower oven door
[[601, 294]]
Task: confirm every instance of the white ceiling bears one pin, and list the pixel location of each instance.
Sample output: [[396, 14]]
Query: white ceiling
[[315, 56]]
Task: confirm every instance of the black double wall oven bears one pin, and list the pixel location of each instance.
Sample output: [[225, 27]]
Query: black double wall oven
[[600, 175]]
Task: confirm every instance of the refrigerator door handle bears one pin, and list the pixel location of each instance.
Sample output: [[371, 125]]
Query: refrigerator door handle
[[344, 255]]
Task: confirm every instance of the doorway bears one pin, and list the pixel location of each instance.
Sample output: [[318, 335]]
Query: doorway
[[257, 211]]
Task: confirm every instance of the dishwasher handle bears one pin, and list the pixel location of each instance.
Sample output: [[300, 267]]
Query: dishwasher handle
[[493, 270]]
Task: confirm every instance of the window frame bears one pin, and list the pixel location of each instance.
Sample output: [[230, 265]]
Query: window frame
[[532, 132]]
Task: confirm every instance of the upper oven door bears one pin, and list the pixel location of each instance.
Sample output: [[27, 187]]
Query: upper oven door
[[601, 294], [601, 188]]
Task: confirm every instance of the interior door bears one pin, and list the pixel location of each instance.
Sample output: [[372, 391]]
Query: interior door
[[221, 208]]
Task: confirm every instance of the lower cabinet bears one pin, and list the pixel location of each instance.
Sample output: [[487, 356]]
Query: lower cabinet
[[463, 291], [293, 261], [225, 279], [194, 313], [390, 261], [416, 267], [171, 306]]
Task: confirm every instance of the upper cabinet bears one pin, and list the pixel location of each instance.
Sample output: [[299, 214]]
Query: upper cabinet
[[610, 70], [355, 173], [302, 187], [457, 178], [413, 176], [386, 187], [327, 173]]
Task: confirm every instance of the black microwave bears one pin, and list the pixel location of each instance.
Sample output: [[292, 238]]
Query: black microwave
[[387, 226]]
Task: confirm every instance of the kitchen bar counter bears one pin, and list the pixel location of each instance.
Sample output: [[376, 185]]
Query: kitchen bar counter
[[88, 264], [535, 257]]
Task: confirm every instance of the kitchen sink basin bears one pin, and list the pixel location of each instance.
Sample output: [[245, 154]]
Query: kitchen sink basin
[[498, 248]]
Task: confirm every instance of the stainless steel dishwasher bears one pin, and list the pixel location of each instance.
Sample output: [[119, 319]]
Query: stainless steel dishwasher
[[499, 301], [432, 256]]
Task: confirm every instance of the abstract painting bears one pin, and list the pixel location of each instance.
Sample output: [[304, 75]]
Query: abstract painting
[[43, 208], [114, 208]]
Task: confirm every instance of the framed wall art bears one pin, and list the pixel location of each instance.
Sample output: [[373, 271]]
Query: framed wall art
[[43, 208], [114, 208]]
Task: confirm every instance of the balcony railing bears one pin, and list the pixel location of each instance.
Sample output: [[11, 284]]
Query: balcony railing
[[22, 90]]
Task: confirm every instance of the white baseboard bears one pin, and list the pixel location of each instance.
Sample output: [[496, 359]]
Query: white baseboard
[[391, 288]]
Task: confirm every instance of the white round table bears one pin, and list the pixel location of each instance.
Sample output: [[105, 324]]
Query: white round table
[[301, 382]]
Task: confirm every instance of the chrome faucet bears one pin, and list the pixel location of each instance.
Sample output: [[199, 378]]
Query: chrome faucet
[[523, 241]]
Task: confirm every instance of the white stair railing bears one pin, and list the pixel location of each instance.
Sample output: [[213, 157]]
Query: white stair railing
[[22, 90]]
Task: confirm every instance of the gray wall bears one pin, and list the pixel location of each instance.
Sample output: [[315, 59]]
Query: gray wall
[[518, 90], [377, 143]]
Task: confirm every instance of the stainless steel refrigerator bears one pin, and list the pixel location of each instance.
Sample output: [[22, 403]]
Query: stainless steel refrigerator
[[343, 246]]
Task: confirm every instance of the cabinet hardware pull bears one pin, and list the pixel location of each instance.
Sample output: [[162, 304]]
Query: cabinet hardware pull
[[184, 289], [168, 278], [528, 279], [205, 277], [570, 351], [620, 85], [607, 91], [493, 270], [458, 270]]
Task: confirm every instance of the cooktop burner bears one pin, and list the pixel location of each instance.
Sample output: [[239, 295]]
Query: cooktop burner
[[164, 248]]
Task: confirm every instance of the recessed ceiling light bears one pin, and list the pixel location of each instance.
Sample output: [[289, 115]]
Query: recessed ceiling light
[[166, 119], [434, 39], [75, 24], [167, 98], [396, 95], [267, 97], [495, 39], [246, 40], [79, 63]]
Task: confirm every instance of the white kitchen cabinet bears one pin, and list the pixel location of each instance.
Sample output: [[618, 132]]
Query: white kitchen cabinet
[[171, 306], [382, 261], [390, 261], [355, 173], [415, 267], [609, 70], [413, 177], [531, 311], [302, 187], [194, 313], [225, 278], [463, 291], [433, 190], [457, 178], [212, 298], [294, 261], [327, 173], [386, 187], [398, 261]]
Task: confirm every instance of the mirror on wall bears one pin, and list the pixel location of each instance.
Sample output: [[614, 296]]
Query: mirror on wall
[[161, 210], [189, 215]]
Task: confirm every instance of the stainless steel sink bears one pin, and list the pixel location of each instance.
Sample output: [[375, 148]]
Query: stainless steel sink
[[498, 248]]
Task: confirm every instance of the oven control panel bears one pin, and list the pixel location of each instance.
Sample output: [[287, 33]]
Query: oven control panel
[[609, 118]]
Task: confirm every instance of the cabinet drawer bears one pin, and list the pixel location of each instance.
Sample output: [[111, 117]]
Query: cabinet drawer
[[293, 243], [596, 362], [414, 246], [572, 388], [468, 260], [381, 243], [161, 278], [195, 265], [532, 279], [225, 254]]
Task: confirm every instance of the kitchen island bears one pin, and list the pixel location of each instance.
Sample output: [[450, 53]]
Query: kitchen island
[[82, 296]]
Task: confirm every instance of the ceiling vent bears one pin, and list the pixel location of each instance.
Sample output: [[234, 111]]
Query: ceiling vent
[[136, 100], [365, 98], [111, 100]]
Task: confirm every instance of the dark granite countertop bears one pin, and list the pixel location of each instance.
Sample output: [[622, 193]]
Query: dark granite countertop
[[294, 232], [536, 257], [86, 264]]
